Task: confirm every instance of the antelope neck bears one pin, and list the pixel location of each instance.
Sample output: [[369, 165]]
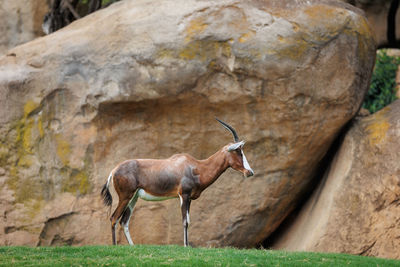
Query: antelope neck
[[212, 168]]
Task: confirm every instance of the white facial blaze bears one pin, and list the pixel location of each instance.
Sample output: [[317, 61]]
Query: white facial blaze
[[246, 163]]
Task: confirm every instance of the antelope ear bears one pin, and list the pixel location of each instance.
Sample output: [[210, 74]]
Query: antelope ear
[[235, 146]]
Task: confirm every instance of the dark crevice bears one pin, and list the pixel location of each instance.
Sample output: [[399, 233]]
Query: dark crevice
[[318, 180], [392, 41], [47, 238], [391, 22], [367, 249]]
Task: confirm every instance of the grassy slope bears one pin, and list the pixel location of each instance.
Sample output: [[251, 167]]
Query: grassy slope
[[145, 255]]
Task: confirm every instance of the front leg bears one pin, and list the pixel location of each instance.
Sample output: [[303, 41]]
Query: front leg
[[185, 206]]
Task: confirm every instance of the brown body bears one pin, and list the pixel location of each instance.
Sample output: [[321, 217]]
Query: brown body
[[178, 176]]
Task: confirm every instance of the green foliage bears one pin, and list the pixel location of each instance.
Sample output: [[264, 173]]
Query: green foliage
[[107, 2], [382, 91], [103, 2], [146, 255]]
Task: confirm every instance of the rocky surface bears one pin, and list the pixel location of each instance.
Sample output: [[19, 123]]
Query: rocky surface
[[134, 81], [356, 209], [378, 13], [20, 22]]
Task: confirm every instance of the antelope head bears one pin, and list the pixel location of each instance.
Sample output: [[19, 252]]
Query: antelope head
[[235, 155]]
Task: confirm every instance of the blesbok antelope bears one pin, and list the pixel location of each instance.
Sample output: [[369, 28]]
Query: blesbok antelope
[[180, 176]]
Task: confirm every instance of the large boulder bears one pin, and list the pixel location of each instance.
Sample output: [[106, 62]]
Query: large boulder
[[356, 208], [145, 79], [20, 22]]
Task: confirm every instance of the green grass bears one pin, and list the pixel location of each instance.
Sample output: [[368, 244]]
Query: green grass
[[146, 255]]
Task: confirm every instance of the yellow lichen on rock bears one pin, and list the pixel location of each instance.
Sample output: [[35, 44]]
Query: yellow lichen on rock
[[292, 48], [204, 49], [77, 182], [33, 208], [25, 189], [29, 107], [377, 127], [63, 149], [24, 128], [40, 127], [319, 13], [361, 29], [350, 24], [320, 27], [246, 36], [195, 27], [326, 22], [23, 146]]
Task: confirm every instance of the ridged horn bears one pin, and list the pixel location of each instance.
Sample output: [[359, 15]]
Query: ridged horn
[[230, 128]]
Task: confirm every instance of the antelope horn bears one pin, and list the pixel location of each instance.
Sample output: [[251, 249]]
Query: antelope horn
[[230, 128]]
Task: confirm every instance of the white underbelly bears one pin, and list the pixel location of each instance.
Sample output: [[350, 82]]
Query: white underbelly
[[148, 197]]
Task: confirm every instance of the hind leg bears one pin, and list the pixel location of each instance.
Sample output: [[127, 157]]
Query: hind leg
[[126, 186], [116, 215], [126, 216], [185, 207]]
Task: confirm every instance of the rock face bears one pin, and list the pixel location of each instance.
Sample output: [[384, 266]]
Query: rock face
[[20, 22], [132, 81], [384, 18], [356, 209]]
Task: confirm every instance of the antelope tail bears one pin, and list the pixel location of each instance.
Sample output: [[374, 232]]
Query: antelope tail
[[105, 192]]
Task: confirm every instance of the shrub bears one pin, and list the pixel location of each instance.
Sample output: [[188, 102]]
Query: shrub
[[60, 14], [382, 90]]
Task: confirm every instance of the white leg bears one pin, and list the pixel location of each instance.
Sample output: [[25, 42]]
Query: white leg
[[185, 204], [126, 229], [125, 221], [185, 237], [180, 199]]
